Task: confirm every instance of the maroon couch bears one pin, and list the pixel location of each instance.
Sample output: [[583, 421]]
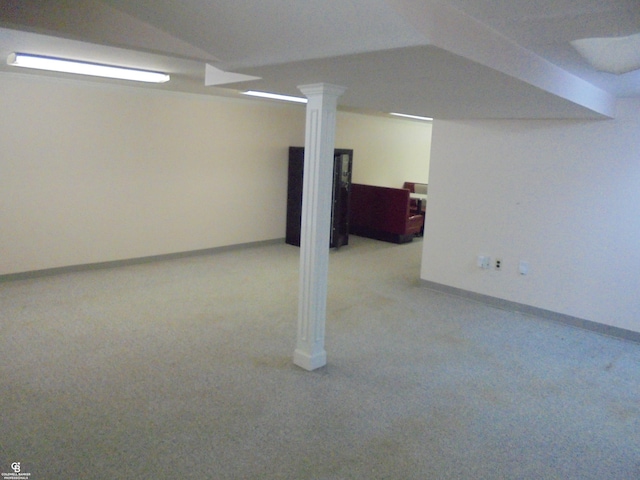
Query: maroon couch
[[382, 213]]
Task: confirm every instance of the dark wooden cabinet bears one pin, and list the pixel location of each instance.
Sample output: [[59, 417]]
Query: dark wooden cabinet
[[342, 163]]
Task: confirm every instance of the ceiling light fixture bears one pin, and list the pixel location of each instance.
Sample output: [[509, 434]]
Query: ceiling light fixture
[[415, 117], [275, 96], [84, 68], [617, 55]]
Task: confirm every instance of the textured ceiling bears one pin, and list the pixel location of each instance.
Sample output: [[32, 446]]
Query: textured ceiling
[[445, 59]]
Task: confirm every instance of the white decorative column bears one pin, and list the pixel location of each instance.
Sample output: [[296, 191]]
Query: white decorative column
[[316, 222]]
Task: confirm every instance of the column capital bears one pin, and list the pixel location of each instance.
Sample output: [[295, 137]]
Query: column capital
[[322, 89]]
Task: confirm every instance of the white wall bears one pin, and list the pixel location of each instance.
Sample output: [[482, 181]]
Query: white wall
[[562, 195], [387, 151], [93, 173]]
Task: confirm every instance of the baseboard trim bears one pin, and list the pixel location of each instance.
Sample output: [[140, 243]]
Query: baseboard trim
[[132, 261], [535, 311]]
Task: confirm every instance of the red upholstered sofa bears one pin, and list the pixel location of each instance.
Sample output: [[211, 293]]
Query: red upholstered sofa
[[382, 213]]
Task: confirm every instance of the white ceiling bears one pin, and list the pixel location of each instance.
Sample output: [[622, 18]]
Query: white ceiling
[[444, 59]]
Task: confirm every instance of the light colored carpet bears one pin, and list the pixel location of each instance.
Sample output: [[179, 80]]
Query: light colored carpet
[[182, 369]]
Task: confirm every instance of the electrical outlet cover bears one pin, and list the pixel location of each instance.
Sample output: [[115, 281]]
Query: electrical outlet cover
[[484, 261]]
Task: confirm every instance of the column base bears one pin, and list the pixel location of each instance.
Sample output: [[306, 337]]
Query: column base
[[309, 362]]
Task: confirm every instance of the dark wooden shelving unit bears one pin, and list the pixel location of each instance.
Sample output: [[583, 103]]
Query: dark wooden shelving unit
[[342, 164]]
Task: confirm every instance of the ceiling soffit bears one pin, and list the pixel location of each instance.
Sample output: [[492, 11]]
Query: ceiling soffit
[[463, 35], [406, 77], [271, 39], [266, 32]]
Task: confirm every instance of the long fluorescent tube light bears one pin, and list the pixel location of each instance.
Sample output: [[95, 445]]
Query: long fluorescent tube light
[[415, 117], [275, 96], [84, 68]]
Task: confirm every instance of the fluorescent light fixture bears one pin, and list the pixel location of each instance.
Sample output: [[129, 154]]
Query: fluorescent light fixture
[[275, 96], [415, 117], [84, 68]]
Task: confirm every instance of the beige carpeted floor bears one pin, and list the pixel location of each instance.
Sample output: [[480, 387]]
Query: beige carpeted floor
[[182, 369]]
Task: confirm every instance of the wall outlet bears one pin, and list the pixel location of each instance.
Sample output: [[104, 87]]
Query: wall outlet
[[523, 267], [498, 264]]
